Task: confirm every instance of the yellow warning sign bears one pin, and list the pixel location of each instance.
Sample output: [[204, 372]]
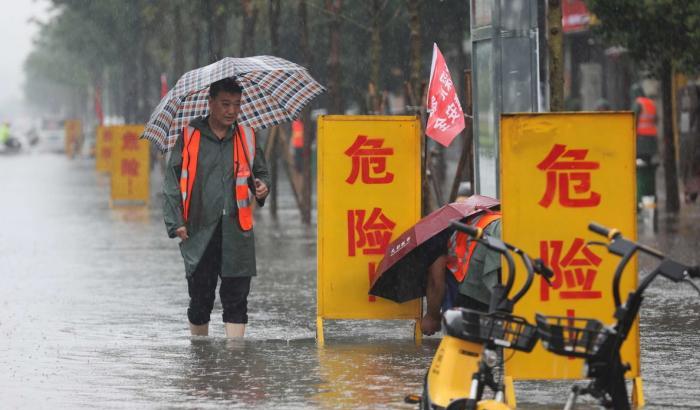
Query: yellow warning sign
[[130, 165], [559, 172], [368, 193]]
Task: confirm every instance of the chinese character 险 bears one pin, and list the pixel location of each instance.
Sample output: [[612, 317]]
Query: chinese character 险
[[369, 233], [567, 171], [369, 161], [130, 167], [575, 270]]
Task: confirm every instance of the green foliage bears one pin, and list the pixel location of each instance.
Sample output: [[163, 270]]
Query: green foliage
[[123, 45], [654, 31]]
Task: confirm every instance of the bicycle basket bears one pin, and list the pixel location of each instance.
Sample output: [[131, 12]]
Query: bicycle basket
[[570, 336], [497, 328]]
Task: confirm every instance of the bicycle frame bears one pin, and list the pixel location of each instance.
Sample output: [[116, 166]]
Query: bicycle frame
[[605, 367], [445, 384]]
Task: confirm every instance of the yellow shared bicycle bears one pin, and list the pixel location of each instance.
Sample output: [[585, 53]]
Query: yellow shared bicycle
[[463, 366]]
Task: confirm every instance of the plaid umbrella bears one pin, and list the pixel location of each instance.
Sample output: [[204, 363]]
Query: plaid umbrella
[[274, 91]]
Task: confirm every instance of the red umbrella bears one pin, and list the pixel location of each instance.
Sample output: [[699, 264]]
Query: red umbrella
[[401, 273]]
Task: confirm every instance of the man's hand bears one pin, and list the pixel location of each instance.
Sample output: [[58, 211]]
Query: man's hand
[[430, 324], [181, 233], [261, 190]]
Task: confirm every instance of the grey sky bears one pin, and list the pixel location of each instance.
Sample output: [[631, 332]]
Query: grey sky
[[16, 35]]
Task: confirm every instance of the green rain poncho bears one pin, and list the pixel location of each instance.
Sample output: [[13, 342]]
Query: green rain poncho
[[212, 200]]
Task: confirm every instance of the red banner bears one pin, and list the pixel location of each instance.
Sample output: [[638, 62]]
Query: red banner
[[446, 118]]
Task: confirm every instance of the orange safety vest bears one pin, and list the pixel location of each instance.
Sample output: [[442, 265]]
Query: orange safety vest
[[243, 156], [646, 121], [461, 247], [297, 134]]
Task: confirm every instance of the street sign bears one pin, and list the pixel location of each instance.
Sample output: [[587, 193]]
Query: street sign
[[103, 148], [368, 193], [560, 171], [130, 166]]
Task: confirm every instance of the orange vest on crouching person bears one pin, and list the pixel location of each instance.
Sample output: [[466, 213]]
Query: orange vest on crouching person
[[461, 246], [243, 157]]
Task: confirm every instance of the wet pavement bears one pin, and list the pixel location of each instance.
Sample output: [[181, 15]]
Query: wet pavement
[[93, 307]]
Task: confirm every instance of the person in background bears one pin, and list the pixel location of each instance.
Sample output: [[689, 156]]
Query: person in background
[[4, 133], [647, 134], [298, 143]]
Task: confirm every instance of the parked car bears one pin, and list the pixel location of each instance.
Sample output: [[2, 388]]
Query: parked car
[[52, 136]]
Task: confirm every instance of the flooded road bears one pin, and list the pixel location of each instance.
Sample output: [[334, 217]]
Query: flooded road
[[94, 304]]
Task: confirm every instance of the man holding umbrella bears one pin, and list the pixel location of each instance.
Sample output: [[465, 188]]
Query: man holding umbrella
[[214, 171]]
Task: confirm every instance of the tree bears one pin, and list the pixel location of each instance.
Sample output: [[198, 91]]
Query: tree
[[334, 7], [662, 36]]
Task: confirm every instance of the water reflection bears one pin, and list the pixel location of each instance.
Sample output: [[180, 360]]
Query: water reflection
[[361, 375]]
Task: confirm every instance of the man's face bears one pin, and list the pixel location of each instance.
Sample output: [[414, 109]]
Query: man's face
[[225, 107]]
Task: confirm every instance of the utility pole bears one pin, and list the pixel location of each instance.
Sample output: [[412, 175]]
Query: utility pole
[[555, 51], [306, 114], [274, 17]]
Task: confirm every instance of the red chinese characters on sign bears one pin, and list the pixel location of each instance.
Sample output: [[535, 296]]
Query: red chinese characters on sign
[[106, 139], [130, 142], [575, 269], [369, 233], [568, 178], [369, 161], [372, 271], [130, 168]]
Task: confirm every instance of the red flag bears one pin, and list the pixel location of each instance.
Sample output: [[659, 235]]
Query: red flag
[[446, 118], [163, 85], [98, 106]]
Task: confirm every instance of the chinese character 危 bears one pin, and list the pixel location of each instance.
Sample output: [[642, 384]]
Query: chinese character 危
[[567, 171], [369, 161]]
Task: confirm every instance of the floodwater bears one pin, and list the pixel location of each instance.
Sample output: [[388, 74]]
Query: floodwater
[[93, 303]]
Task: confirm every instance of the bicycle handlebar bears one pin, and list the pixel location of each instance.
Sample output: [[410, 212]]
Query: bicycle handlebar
[[694, 271], [475, 233], [601, 230], [502, 247], [626, 248], [540, 267]]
